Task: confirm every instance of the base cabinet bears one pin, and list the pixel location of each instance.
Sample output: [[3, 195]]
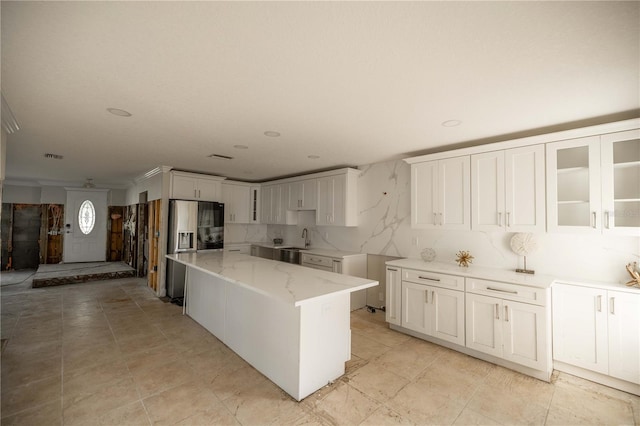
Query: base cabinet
[[393, 295], [597, 329], [433, 310], [507, 329]]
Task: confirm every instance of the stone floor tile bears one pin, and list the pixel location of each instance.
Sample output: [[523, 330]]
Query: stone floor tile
[[345, 405], [49, 414], [377, 383], [422, 404], [84, 407], [385, 417], [178, 403], [20, 398]]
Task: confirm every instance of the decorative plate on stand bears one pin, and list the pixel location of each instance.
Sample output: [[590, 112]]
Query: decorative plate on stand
[[523, 244]]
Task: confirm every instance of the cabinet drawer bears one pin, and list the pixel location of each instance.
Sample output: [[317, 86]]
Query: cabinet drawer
[[533, 295], [433, 278], [317, 260]]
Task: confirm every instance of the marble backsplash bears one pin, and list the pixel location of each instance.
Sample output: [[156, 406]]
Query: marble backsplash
[[385, 229]]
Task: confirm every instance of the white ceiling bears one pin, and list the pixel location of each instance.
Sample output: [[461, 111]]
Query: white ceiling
[[351, 82]]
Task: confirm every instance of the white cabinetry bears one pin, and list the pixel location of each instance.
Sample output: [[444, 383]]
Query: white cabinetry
[[237, 202], [507, 190], [620, 153], [597, 329], [500, 324], [303, 195], [337, 199], [274, 200], [393, 296], [431, 309], [573, 185], [354, 264], [506, 329], [192, 186], [440, 194]]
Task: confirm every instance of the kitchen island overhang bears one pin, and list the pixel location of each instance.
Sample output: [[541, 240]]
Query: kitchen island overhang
[[289, 322]]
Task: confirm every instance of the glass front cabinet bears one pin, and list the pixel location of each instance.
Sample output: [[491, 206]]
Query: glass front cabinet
[[593, 184]]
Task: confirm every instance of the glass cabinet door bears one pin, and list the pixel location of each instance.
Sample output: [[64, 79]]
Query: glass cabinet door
[[621, 182], [573, 185]]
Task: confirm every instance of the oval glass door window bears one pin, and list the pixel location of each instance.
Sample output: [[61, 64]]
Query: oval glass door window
[[86, 217]]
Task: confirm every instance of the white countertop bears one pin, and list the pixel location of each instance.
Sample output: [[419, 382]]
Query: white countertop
[[284, 281], [493, 274]]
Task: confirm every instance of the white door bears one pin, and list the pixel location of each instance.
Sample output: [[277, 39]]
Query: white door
[[447, 310], [487, 191], [524, 189], [624, 335], [424, 194], [414, 304], [484, 324], [524, 334], [580, 327], [454, 193], [394, 291], [85, 238]]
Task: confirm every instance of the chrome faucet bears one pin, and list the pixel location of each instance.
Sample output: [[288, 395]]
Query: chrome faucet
[[305, 235]]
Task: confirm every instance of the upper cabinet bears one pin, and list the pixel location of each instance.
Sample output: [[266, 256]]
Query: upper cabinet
[[620, 155], [274, 200], [192, 186], [593, 184], [507, 190], [338, 199], [237, 202], [440, 194], [303, 195]]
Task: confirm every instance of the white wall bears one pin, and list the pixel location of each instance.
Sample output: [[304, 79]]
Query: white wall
[[153, 186], [21, 194], [385, 228]]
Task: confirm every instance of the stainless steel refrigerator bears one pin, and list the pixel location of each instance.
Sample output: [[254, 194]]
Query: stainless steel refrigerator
[[183, 231], [193, 226]]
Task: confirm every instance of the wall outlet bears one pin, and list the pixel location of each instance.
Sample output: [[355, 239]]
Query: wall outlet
[[414, 241]]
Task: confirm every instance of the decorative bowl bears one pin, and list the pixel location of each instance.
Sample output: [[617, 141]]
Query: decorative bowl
[[428, 255]]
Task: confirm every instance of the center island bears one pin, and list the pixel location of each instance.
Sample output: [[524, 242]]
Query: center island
[[290, 322]]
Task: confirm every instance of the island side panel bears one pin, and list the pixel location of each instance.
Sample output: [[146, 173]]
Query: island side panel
[[206, 301], [325, 341], [265, 332]]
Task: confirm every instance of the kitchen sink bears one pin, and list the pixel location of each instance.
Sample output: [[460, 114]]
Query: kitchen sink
[[289, 255]]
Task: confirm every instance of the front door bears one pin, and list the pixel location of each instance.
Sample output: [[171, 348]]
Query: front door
[[85, 238]]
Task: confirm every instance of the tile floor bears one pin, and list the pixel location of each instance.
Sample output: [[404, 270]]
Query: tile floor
[[111, 353]]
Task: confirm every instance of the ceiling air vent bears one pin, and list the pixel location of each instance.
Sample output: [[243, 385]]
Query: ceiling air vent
[[222, 157], [54, 156]]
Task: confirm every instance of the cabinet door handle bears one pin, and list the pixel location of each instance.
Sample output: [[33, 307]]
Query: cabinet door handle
[[612, 305], [430, 279], [433, 296], [440, 219], [508, 218], [434, 219], [506, 313], [390, 269], [426, 295], [599, 302], [499, 218], [501, 290], [195, 193], [497, 311], [606, 215], [593, 219]]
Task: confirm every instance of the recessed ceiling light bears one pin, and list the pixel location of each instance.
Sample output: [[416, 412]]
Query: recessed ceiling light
[[119, 112], [241, 147], [451, 123], [271, 134], [313, 157]]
